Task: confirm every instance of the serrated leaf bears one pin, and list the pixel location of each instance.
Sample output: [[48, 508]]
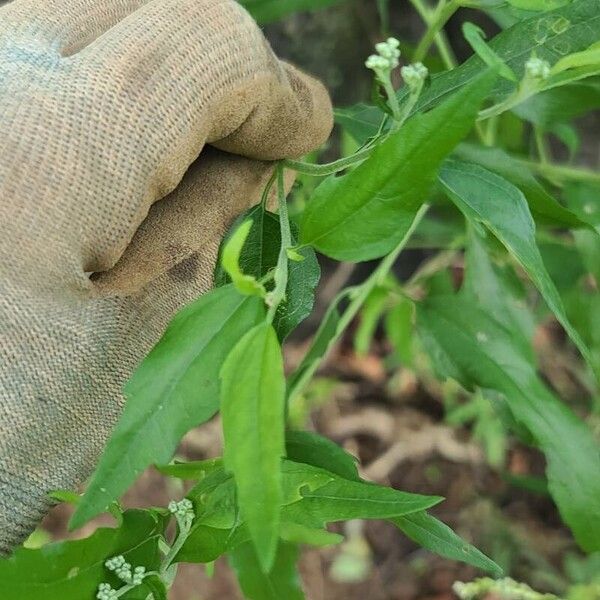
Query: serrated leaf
[[252, 410], [282, 582], [479, 351], [259, 256], [435, 536], [73, 570], [313, 449], [487, 198], [175, 388], [365, 213]]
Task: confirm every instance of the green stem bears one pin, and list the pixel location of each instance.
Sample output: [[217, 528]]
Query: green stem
[[358, 295], [265, 195], [435, 21], [328, 168], [184, 531], [281, 272], [553, 171]]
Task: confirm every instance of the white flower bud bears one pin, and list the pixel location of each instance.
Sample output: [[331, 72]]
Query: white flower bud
[[106, 592], [387, 56], [414, 75], [536, 68]]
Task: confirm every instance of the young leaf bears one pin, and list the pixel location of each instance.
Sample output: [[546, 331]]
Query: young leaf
[[258, 257], [365, 213], [230, 258], [469, 345], [175, 388], [252, 409], [282, 582], [489, 199], [476, 38], [435, 536], [73, 570], [312, 449]]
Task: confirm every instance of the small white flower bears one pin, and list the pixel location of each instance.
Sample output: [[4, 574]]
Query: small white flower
[[536, 68], [138, 575], [414, 75], [106, 592], [184, 509], [387, 56]]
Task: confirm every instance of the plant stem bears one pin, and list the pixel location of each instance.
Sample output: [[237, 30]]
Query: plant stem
[[357, 295], [553, 171], [281, 272], [328, 168], [435, 21]]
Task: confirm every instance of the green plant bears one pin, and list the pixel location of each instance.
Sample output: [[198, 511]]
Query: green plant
[[436, 166]]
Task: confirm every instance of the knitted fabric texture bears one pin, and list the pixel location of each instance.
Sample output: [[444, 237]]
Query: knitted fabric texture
[[112, 208]]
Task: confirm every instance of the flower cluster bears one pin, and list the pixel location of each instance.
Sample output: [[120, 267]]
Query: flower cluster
[[182, 510], [414, 75], [536, 68], [122, 570], [387, 57], [106, 592]]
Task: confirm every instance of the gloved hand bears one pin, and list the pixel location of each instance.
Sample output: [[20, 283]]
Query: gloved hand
[[104, 105]]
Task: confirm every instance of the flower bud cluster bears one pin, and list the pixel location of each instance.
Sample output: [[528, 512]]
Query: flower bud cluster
[[106, 592], [536, 68], [387, 57], [414, 75], [182, 510], [122, 569]]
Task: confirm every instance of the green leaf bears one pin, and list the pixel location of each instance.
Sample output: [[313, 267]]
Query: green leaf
[[560, 105], [245, 284], [365, 213], [549, 36], [175, 388], [588, 57], [399, 330], [156, 586], [301, 534], [258, 258], [341, 500], [542, 204], [476, 350], [361, 121], [492, 200], [73, 570], [370, 315], [282, 582], [197, 469], [538, 5], [252, 409], [313, 449], [205, 544], [435, 536], [266, 11], [476, 38]]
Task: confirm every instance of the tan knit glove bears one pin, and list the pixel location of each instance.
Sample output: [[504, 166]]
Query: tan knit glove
[[104, 105]]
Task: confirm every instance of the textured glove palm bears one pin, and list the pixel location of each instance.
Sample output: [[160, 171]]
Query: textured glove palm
[[104, 105]]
